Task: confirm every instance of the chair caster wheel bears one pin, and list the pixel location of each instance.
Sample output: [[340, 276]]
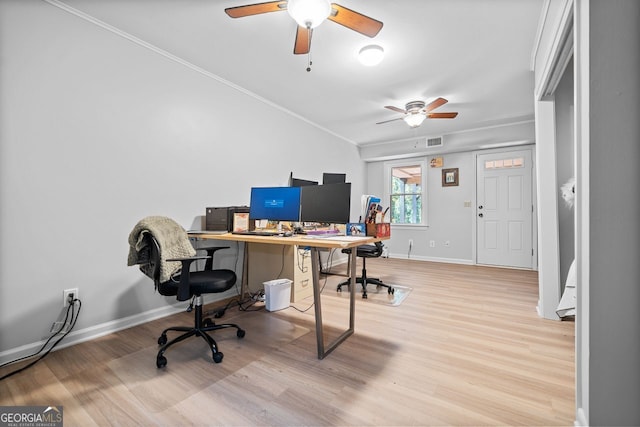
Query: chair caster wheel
[[391, 291], [364, 296], [217, 357], [339, 289], [161, 361], [162, 341], [240, 333], [207, 322]]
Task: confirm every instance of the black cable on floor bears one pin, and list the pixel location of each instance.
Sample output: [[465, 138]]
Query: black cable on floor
[[72, 323]]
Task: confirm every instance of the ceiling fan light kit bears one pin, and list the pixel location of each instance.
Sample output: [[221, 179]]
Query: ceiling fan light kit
[[371, 55], [414, 119], [309, 13]]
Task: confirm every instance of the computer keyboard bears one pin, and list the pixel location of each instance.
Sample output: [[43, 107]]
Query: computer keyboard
[[256, 233]]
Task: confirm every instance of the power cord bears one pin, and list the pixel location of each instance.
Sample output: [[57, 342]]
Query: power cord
[[71, 317], [309, 308]]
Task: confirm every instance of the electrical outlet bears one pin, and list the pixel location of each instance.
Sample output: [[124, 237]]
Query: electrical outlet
[[432, 243], [67, 295]]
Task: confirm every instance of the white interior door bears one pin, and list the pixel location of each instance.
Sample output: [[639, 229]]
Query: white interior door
[[504, 209]]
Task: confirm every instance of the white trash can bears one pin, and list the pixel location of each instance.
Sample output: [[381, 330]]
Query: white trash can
[[277, 294]]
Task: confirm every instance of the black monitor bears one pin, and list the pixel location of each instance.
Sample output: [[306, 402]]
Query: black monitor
[[297, 182], [329, 203], [275, 203], [334, 178]]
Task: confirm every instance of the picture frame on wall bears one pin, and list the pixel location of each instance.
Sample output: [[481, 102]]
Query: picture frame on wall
[[450, 177]]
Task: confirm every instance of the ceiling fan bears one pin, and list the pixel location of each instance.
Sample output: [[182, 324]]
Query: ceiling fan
[[309, 14], [416, 111]]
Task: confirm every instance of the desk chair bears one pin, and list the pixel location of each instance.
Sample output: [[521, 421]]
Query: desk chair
[[184, 284], [364, 252]]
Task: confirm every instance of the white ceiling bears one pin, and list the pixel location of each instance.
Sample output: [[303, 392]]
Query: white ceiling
[[475, 53]]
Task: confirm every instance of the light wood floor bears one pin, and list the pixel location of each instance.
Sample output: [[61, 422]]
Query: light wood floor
[[465, 348]]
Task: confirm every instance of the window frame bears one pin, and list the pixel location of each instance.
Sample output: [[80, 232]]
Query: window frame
[[388, 166]]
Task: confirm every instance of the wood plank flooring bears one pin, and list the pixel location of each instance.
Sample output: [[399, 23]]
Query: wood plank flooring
[[466, 347]]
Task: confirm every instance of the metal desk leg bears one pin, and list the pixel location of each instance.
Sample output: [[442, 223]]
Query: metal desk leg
[[322, 351], [244, 280]]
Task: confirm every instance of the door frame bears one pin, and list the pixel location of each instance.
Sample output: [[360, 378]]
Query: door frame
[[534, 201]]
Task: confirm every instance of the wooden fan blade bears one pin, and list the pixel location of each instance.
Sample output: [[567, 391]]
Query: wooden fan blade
[[435, 104], [256, 9], [387, 121], [303, 40], [442, 115], [355, 21], [392, 108]]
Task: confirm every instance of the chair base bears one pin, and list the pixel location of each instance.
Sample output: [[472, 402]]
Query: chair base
[[364, 281], [200, 328]]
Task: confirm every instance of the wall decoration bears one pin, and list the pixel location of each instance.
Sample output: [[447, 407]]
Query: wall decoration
[[450, 177], [436, 162]]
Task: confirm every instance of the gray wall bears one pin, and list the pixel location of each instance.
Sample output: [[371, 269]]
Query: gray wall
[[97, 132], [448, 218], [614, 228]]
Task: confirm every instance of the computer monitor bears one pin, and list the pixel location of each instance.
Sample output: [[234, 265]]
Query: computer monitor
[[275, 203], [329, 203], [334, 178], [297, 182]]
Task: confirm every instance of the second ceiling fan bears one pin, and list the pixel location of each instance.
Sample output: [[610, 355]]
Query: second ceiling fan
[[309, 14], [416, 111]]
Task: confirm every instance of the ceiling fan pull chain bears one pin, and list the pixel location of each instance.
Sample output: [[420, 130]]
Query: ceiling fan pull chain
[[309, 62]]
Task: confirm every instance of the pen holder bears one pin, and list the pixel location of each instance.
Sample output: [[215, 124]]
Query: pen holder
[[379, 229]]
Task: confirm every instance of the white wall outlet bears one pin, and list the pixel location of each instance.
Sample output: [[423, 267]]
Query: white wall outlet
[[66, 295], [432, 243]]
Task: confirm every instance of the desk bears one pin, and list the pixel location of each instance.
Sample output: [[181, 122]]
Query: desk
[[314, 244]]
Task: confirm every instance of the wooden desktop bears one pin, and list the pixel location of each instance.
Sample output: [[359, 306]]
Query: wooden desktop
[[337, 242]]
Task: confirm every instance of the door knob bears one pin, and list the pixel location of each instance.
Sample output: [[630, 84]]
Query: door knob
[[481, 215]]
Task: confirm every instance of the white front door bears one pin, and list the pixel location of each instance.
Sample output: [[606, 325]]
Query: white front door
[[504, 209]]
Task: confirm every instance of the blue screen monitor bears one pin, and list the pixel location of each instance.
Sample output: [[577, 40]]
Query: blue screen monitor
[[275, 203]]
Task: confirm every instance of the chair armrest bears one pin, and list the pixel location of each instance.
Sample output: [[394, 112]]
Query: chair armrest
[[188, 259], [183, 287]]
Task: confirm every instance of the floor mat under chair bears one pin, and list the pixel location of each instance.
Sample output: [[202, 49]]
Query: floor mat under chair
[[380, 295], [191, 369]]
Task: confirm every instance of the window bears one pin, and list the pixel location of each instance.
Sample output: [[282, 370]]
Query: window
[[406, 186], [517, 162]]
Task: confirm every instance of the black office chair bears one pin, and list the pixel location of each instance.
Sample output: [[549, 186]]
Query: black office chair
[[364, 252], [184, 285]]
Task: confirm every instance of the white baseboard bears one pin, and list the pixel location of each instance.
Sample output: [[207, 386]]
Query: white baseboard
[[96, 331], [581, 419], [433, 259]]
